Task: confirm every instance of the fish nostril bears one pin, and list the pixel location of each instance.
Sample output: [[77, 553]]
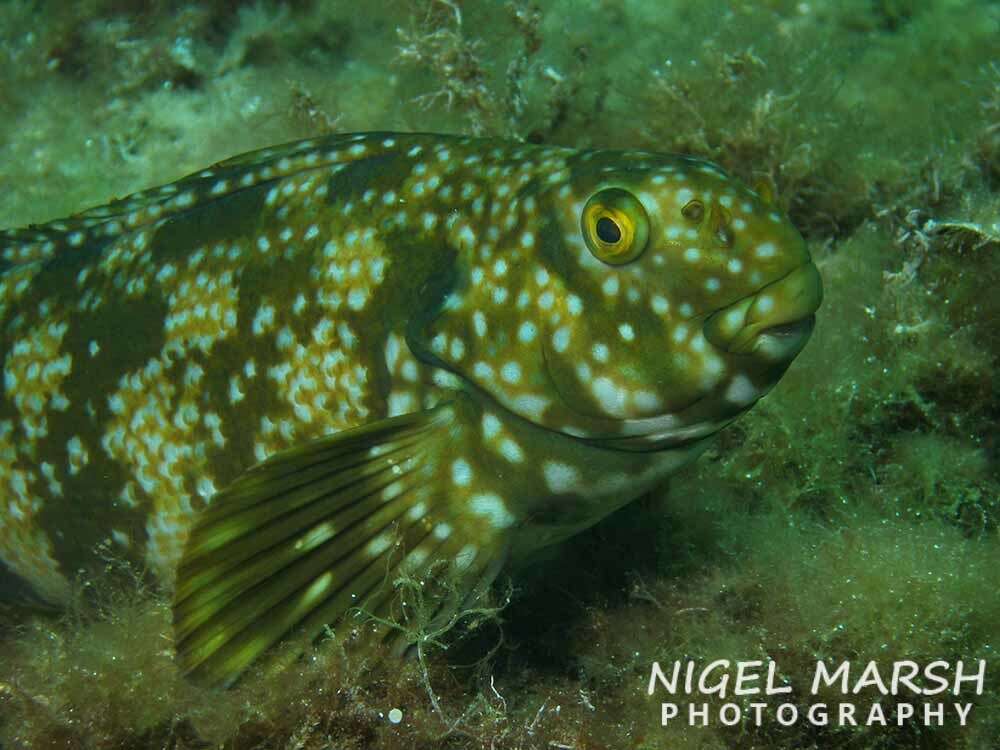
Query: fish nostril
[[721, 224], [724, 235]]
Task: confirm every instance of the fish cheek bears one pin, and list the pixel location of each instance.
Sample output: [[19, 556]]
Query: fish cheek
[[555, 255], [571, 374]]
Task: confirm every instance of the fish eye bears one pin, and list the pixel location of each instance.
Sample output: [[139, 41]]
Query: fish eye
[[615, 226], [693, 210], [608, 230]]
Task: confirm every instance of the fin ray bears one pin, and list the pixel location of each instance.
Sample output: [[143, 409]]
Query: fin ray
[[297, 542], [218, 587]]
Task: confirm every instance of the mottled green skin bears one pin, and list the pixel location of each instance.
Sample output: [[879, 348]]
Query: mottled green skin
[[298, 291]]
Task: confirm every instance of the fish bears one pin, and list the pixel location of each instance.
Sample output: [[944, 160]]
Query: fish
[[284, 380]]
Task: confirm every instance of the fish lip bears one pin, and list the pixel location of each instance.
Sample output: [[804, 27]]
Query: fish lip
[[652, 442], [802, 327], [783, 310]]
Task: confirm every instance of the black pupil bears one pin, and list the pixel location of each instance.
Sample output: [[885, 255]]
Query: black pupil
[[608, 231]]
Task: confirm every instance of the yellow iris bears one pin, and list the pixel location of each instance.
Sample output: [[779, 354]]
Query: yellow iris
[[615, 226]]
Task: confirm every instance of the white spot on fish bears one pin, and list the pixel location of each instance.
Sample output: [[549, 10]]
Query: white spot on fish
[[510, 450], [511, 372], [647, 401], [461, 473], [533, 406], [479, 323], [560, 339], [391, 352], [612, 398], [741, 391], [492, 507], [463, 560], [491, 426], [316, 536], [560, 477], [378, 545]]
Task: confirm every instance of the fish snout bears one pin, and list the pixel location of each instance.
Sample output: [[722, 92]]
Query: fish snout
[[775, 322]]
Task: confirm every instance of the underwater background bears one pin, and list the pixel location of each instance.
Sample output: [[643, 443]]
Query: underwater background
[[853, 514]]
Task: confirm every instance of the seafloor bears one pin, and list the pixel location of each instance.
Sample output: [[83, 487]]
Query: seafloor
[[854, 514]]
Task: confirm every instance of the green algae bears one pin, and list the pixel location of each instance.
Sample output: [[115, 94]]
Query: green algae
[[853, 514]]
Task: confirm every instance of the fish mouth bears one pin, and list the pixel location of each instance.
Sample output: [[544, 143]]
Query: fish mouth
[[775, 322], [762, 333], [642, 436]]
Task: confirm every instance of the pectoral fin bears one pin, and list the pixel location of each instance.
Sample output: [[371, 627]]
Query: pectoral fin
[[300, 540]]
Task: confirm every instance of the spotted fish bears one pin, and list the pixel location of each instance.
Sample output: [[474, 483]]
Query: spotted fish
[[279, 380]]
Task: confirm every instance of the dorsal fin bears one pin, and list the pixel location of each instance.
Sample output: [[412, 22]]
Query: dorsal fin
[[43, 241]]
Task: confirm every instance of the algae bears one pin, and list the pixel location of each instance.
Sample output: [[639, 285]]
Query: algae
[[853, 514]]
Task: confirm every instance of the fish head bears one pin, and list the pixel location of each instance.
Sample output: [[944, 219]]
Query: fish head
[[660, 300]]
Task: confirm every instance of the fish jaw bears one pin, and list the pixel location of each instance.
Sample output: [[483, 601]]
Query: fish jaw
[[757, 338], [775, 322]]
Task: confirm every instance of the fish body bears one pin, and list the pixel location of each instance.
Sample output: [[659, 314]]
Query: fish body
[[273, 381]]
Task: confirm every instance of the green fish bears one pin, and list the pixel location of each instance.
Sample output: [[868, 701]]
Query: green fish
[[284, 380]]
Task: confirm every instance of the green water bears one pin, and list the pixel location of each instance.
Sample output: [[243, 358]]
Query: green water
[[852, 515]]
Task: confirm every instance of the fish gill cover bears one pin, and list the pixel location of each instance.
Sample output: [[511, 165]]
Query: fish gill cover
[[850, 515]]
